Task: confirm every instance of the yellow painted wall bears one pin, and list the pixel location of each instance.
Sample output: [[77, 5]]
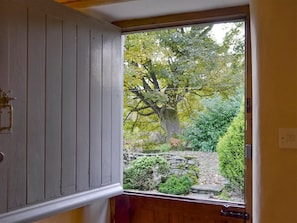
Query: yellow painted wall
[[97, 212], [274, 45], [75, 216]]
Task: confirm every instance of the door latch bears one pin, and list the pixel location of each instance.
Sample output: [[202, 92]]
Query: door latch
[[6, 112], [248, 151], [235, 214]]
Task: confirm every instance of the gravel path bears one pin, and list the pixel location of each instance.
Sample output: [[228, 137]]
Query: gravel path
[[209, 172], [208, 165]]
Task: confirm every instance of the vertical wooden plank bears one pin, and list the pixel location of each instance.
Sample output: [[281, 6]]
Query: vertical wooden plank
[[188, 219], [175, 218], [120, 209], [69, 108], [106, 109], [36, 106], [95, 109], [53, 107], [161, 216], [149, 216], [4, 85], [83, 100], [117, 107], [17, 81]]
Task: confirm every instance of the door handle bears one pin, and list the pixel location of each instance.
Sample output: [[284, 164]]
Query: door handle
[[1, 156], [6, 108], [235, 214]]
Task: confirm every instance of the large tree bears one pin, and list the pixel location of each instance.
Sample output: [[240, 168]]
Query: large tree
[[168, 71]]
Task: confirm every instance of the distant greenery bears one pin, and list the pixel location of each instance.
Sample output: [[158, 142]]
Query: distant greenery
[[145, 173], [169, 71], [210, 124], [165, 147], [231, 152], [176, 185], [178, 76]]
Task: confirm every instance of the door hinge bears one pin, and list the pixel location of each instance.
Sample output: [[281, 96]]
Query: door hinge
[[248, 105], [248, 151], [235, 214]]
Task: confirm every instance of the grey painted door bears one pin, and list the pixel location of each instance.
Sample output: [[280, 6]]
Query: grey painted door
[[65, 71]]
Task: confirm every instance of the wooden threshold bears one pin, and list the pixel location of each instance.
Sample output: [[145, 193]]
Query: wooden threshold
[[191, 18]]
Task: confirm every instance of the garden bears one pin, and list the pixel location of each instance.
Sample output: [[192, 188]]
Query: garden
[[184, 112], [176, 169]]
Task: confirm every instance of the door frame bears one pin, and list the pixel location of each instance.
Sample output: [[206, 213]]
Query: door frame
[[195, 18]]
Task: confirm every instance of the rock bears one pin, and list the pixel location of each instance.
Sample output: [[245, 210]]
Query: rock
[[207, 189]]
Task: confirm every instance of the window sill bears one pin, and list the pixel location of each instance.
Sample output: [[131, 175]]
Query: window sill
[[45, 209]]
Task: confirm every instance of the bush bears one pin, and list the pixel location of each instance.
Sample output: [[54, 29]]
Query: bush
[[231, 153], [193, 172], [163, 147], [176, 185], [146, 173], [211, 123]]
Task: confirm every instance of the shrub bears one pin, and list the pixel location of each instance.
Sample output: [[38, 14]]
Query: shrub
[[193, 172], [176, 185], [231, 152], [211, 123], [145, 173], [163, 147]]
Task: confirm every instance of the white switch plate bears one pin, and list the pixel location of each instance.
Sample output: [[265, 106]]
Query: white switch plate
[[288, 138]]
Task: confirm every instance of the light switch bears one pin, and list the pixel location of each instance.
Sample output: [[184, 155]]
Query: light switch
[[288, 138]]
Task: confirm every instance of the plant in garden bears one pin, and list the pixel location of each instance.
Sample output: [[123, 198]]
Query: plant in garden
[[165, 147], [231, 152], [211, 123], [176, 185], [145, 173], [193, 173], [190, 170]]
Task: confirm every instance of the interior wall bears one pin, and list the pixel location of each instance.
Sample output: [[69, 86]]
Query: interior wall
[[95, 213], [74, 216], [274, 49]]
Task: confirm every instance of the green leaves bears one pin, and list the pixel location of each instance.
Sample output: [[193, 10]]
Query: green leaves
[[174, 68], [146, 173], [231, 152], [176, 185], [212, 123]]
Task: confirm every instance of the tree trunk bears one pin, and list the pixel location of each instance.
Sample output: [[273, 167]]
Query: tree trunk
[[169, 122]]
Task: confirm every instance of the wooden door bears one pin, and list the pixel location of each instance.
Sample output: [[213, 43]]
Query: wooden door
[[65, 71], [136, 208]]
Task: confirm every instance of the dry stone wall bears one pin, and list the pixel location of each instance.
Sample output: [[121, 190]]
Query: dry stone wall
[[179, 165]]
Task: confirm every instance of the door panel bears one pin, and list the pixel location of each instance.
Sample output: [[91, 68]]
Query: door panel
[[51, 59], [17, 77], [133, 208]]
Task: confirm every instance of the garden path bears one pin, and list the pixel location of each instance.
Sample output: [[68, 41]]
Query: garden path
[[208, 166]]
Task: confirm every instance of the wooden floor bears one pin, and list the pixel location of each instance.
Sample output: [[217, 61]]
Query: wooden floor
[[135, 208]]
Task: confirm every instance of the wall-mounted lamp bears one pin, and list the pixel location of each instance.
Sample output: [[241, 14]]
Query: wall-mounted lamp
[[6, 112]]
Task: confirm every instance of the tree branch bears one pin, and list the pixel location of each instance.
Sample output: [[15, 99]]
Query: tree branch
[[148, 102]]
